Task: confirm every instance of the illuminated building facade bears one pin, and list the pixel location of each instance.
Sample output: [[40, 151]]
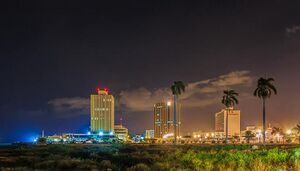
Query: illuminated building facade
[[149, 134], [102, 112], [121, 132], [234, 122], [163, 119]]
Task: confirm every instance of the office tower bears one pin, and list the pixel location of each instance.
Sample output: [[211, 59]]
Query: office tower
[[163, 114], [102, 112], [160, 115], [234, 128]]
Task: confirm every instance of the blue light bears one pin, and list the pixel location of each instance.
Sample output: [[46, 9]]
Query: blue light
[[100, 133], [142, 138], [111, 133], [89, 133]]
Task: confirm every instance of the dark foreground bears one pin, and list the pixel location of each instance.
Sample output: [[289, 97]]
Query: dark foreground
[[149, 157]]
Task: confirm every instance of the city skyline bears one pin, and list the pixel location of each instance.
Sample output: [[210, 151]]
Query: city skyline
[[54, 55]]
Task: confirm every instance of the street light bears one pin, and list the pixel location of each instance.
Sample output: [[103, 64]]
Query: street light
[[289, 132], [169, 103]]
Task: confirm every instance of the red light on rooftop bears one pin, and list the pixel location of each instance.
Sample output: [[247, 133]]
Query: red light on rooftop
[[106, 90], [98, 89]]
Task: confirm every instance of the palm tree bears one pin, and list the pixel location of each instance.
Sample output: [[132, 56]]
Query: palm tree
[[249, 135], [177, 88], [229, 100], [277, 131], [263, 91], [297, 129]]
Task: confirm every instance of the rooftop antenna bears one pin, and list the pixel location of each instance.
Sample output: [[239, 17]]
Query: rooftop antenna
[[121, 121]]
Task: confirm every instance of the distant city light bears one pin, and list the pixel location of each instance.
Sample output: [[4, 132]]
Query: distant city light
[[168, 135], [89, 133], [289, 131], [100, 133], [169, 103], [111, 133]]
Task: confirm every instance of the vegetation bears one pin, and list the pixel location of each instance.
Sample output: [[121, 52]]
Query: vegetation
[[149, 157], [177, 88], [229, 100], [263, 91], [249, 135], [297, 129], [276, 131]]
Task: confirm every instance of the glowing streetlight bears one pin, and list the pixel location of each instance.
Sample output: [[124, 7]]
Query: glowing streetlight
[[289, 132], [169, 103]]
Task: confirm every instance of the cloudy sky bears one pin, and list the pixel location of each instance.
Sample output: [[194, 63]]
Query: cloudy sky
[[55, 53]]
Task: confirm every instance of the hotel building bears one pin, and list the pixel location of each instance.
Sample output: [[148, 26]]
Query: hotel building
[[102, 112], [234, 125]]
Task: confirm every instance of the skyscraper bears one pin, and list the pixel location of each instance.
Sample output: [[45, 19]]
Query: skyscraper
[[234, 122], [102, 112], [160, 116], [163, 119]]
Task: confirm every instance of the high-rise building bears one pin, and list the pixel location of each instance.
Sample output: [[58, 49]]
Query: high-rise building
[[234, 122], [102, 112], [161, 113], [163, 117]]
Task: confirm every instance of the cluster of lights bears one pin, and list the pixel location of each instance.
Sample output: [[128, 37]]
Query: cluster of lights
[[105, 89]]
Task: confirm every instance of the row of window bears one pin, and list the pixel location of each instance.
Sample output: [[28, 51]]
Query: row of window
[[101, 109]]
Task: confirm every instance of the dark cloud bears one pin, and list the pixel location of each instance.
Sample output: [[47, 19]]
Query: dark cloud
[[198, 94]]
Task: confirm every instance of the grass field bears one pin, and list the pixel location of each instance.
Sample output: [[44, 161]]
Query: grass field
[[149, 157]]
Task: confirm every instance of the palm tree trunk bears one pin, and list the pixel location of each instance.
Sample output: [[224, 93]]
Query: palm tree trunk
[[264, 121], [227, 126], [175, 122]]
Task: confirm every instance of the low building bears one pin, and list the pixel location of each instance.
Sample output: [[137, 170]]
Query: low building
[[121, 132], [149, 134]]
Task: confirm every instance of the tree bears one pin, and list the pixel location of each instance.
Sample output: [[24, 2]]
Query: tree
[[41, 141], [263, 91], [177, 89], [229, 100], [297, 129], [249, 135], [277, 132]]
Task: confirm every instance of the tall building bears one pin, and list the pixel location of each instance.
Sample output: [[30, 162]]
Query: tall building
[[102, 112], [234, 122], [163, 117]]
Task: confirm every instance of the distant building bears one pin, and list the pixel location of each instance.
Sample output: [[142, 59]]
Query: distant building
[[102, 112], [149, 134], [234, 122], [163, 117], [121, 132]]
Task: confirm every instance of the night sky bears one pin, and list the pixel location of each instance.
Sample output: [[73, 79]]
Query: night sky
[[55, 53]]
